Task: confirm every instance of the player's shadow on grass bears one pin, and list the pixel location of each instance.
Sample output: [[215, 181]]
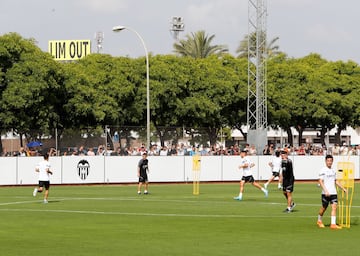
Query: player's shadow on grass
[[49, 202], [354, 221]]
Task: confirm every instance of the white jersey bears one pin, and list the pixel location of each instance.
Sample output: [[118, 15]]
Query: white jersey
[[328, 176], [276, 164], [43, 167], [246, 170]]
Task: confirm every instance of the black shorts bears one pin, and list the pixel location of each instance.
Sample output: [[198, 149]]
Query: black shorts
[[326, 200], [249, 179], [288, 186], [276, 174], [143, 178], [44, 183]]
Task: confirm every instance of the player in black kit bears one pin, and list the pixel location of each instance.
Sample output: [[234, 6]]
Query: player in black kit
[[287, 177], [142, 173]]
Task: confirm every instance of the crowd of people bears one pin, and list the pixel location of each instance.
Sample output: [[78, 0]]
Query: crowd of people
[[182, 149]]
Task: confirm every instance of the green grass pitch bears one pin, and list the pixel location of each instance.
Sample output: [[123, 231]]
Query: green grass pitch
[[114, 220]]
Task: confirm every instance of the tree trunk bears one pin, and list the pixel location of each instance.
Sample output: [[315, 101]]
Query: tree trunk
[[1, 147], [244, 134], [322, 135], [290, 135], [339, 129], [300, 131], [161, 137], [212, 133]]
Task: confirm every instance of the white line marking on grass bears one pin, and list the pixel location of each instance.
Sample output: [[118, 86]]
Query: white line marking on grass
[[142, 199], [294, 215], [20, 202], [157, 200]]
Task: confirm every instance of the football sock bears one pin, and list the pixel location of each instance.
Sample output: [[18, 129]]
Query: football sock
[[333, 219]]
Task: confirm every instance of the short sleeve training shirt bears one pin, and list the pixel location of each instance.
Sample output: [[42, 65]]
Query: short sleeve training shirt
[[43, 167], [328, 176], [246, 170], [276, 164]]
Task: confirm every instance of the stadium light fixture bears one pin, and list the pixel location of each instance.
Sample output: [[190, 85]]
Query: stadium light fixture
[[121, 28]]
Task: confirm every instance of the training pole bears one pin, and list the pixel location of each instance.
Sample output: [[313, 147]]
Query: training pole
[[196, 167], [345, 175]]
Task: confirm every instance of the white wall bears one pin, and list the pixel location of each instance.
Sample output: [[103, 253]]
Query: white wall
[[122, 169]]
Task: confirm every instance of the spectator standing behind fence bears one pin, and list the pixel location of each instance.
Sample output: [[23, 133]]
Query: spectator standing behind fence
[[181, 150], [344, 150], [266, 150], [90, 152], [22, 152], [127, 151], [357, 150], [101, 150], [152, 151], [336, 150], [193, 151], [163, 151], [82, 151], [252, 150], [173, 150], [221, 151]]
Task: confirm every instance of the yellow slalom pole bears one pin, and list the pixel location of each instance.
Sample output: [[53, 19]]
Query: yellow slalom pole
[[196, 164], [345, 175], [341, 208]]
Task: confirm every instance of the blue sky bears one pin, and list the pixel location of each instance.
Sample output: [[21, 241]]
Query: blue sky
[[327, 27]]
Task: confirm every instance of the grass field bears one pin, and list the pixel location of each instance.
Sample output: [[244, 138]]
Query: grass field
[[114, 220]]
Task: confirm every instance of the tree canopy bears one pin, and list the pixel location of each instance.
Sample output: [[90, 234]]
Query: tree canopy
[[206, 91]]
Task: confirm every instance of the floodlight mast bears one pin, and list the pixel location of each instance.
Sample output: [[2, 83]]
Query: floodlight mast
[[257, 108], [99, 37], [177, 26], [118, 29]]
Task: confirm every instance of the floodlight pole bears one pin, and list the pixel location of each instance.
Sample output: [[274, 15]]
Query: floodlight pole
[[118, 29]]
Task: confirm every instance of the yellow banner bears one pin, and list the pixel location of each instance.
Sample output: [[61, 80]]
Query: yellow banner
[[69, 49]]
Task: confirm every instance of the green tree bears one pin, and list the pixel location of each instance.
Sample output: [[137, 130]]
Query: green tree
[[198, 45], [311, 92], [170, 79], [103, 90], [290, 93], [32, 88], [208, 96], [339, 84], [235, 112]]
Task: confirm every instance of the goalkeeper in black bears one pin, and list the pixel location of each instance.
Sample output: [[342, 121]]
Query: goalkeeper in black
[[142, 173]]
